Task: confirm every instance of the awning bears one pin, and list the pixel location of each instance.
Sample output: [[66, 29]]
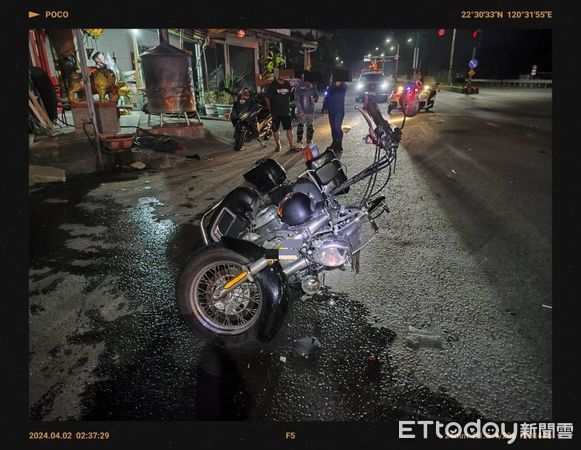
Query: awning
[[270, 35], [198, 35]]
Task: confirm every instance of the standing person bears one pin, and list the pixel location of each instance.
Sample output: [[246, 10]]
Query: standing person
[[278, 102], [306, 96], [334, 105]]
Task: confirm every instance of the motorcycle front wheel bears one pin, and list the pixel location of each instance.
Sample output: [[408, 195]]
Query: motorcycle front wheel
[[232, 320], [238, 140]]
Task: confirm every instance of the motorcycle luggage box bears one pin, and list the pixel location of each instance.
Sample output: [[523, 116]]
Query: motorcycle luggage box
[[235, 213], [266, 174], [325, 157], [327, 172]]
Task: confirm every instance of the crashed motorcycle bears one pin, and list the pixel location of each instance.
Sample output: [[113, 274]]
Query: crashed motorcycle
[[259, 240], [250, 118]]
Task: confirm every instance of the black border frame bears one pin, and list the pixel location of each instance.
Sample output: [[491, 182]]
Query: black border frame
[[14, 422]]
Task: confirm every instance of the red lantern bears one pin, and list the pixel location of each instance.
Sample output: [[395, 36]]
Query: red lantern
[[240, 33]]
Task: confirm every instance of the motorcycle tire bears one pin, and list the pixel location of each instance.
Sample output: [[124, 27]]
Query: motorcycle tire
[[221, 323], [238, 141]]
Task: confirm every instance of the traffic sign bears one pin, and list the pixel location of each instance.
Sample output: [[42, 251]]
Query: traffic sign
[[471, 73], [534, 71], [473, 63]]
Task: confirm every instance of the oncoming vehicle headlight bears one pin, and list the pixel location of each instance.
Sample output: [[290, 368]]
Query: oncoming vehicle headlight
[[360, 85], [384, 85]]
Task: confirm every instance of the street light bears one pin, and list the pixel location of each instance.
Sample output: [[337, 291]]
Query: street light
[[392, 48], [336, 58], [410, 40], [388, 40], [376, 48]]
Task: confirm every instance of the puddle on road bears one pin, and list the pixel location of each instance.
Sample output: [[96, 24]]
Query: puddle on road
[[149, 367]]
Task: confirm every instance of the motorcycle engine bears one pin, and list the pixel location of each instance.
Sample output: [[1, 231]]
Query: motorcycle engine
[[264, 225], [267, 220]]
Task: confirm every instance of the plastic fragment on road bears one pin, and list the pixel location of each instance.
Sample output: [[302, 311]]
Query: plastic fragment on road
[[283, 359], [307, 346], [547, 306], [418, 338], [149, 201], [138, 165]]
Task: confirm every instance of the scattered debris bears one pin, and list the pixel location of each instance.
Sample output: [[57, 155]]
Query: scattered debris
[[283, 359], [158, 143], [547, 306], [453, 171], [45, 174], [138, 165], [417, 339], [307, 346], [149, 201]]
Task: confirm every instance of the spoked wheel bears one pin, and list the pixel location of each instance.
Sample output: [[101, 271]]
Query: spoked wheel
[[231, 319]]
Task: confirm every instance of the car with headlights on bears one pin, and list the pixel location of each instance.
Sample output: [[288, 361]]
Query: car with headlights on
[[373, 83]]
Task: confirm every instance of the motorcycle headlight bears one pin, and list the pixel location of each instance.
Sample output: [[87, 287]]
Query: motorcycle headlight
[[332, 253], [400, 89], [427, 88], [360, 85]]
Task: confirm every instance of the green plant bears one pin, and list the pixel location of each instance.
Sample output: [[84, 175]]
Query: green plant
[[210, 97], [224, 98], [232, 80], [272, 61]]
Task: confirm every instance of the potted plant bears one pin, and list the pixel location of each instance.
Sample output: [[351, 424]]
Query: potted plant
[[210, 102], [223, 103]]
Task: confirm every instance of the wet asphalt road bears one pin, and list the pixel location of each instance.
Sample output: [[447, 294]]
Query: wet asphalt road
[[446, 319]]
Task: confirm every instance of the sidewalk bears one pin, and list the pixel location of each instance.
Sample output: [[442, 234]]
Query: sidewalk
[[71, 151]]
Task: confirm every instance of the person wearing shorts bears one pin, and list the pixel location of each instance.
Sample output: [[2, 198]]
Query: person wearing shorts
[[278, 102]]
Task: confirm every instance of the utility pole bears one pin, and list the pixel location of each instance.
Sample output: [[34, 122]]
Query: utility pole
[[89, 94], [396, 59], [417, 50], [451, 57]]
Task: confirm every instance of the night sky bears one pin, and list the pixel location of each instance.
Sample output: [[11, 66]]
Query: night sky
[[502, 53]]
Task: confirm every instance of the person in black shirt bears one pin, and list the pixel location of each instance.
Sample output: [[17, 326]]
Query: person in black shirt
[[278, 101], [334, 105]]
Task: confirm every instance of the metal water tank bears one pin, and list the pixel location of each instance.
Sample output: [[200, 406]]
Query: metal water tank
[[167, 72]]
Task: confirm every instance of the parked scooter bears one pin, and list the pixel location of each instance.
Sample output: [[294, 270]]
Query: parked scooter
[[250, 118], [426, 95], [257, 241]]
